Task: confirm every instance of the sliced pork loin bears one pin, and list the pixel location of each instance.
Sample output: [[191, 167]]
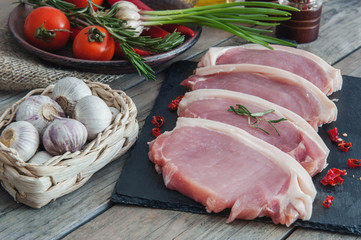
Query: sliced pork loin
[[222, 166], [298, 61], [296, 137], [272, 84]]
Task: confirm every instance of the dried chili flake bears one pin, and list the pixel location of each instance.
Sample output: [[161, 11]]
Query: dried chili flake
[[328, 201], [353, 163], [334, 136], [333, 177], [156, 132], [158, 121], [345, 146], [174, 104]]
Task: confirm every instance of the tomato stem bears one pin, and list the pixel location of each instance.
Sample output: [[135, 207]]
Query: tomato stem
[[47, 35], [95, 35]]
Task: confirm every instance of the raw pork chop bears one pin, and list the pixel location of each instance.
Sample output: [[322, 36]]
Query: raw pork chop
[[273, 84], [222, 167], [297, 137], [300, 62]]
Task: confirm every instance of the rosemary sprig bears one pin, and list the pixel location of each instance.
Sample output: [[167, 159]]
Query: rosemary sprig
[[256, 117]]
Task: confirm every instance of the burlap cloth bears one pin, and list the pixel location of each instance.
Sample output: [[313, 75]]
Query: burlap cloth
[[20, 71]]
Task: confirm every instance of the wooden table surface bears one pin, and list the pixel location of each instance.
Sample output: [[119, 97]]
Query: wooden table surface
[[87, 213]]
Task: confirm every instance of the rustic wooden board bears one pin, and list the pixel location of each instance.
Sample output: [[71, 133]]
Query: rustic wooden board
[[67, 213]]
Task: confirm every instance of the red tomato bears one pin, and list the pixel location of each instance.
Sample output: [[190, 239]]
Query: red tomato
[[54, 26], [90, 45], [83, 3]]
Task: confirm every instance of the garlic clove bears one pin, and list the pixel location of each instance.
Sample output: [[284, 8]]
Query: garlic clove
[[40, 157], [23, 137], [126, 15], [64, 135], [68, 91], [126, 5], [39, 110], [114, 112], [93, 112]]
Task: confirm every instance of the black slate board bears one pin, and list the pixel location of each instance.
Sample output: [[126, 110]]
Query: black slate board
[[139, 184]]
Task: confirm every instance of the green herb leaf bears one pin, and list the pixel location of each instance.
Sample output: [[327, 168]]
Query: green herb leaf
[[243, 111]]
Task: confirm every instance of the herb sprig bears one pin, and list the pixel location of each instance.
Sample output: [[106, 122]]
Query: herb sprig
[[256, 117]]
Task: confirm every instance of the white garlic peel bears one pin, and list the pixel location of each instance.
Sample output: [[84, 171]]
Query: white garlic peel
[[40, 157], [39, 110], [126, 5], [114, 112], [128, 12], [23, 137], [64, 135], [93, 112], [68, 91]]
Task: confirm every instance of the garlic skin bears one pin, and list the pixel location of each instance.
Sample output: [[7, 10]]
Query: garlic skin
[[93, 112], [64, 135], [128, 12], [39, 110], [114, 112], [126, 5], [40, 157], [23, 137], [68, 91]]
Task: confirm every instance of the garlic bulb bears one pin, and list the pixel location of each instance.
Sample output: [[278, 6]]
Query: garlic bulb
[[40, 157], [126, 5], [94, 114], [21, 136], [64, 135], [128, 12], [68, 91], [39, 110], [114, 112]]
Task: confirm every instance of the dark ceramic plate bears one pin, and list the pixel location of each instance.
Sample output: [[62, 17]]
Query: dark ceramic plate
[[65, 58]]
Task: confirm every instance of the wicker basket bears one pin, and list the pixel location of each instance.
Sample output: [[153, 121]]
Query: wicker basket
[[37, 185]]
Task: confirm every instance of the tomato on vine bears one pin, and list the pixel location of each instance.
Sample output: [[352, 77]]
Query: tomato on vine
[[47, 28], [83, 3], [94, 43]]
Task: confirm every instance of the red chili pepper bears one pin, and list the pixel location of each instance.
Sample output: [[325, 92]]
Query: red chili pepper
[[74, 32], [333, 133], [345, 146], [155, 32], [333, 177], [174, 104], [158, 121], [156, 132], [183, 30], [353, 163], [328, 201], [140, 52]]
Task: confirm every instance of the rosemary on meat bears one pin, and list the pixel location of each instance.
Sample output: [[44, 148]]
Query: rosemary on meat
[[227, 17], [256, 117]]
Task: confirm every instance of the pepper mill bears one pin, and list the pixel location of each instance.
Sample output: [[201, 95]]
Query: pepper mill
[[303, 27]]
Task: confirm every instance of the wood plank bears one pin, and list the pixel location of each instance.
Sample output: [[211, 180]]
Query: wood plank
[[69, 212], [340, 33], [302, 234]]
